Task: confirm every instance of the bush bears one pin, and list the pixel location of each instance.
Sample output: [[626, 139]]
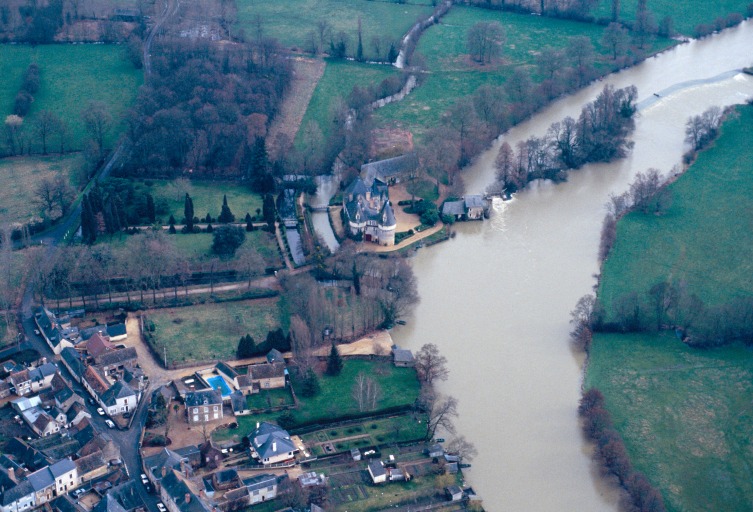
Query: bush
[[227, 239], [23, 103]]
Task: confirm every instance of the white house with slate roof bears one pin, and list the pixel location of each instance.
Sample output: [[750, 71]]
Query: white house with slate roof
[[270, 444]]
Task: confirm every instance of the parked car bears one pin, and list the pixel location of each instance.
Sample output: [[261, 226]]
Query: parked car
[[109, 423], [100, 411], [144, 479], [161, 507]]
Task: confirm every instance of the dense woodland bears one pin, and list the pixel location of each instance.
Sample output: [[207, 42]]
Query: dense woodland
[[204, 107]]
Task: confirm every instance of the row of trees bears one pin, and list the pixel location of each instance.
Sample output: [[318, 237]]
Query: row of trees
[[599, 135], [611, 452], [150, 262]]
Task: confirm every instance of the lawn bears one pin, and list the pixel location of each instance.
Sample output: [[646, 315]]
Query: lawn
[[268, 398], [686, 14], [211, 331], [71, 76], [452, 74], [337, 82], [399, 387], [170, 198], [291, 21], [702, 240], [685, 414], [20, 176]]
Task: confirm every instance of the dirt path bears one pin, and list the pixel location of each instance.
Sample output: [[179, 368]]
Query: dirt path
[[306, 74]]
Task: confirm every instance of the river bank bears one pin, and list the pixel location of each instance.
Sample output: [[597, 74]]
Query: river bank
[[504, 288]]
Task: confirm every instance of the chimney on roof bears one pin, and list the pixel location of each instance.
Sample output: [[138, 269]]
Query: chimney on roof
[[188, 497]]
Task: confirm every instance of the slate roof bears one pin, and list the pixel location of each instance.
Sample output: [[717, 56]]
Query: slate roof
[[238, 401], [27, 455], [166, 458], [117, 330], [474, 201], [74, 360], [127, 495], [62, 467], [387, 215], [385, 170], [226, 369], [259, 481], [357, 188], [402, 355], [24, 488], [74, 410], [269, 441], [42, 372], [177, 490], [41, 479], [203, 397], [453, 208], [275, 356], [119, 390], [226, 475], [117, 356], [108, 503]]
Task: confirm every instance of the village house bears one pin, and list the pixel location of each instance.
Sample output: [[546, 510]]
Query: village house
[[472, 207], [203, 406], [158, 466], [40, 421], [270, 444], [56, 335], [90, 467], [261, 487], [178, 497], [33, 380]]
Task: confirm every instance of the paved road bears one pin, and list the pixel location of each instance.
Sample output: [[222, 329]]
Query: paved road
[[127, 440]]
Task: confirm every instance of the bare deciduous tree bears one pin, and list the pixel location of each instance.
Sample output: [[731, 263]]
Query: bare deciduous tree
[[443, 411], [485, 40], [366, 392], [430, 364], [464, 449]]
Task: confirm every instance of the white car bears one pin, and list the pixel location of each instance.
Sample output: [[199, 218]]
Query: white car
[[100, 411], [144, 479], [161, 507], [109, 423]]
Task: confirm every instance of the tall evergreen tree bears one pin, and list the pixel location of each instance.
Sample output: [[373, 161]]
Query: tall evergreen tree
[[259, 168], [268, 211], [226, 216], [150, 213], [246, 347], [88, 221], [188, 212], [359, 51], [334, 362]]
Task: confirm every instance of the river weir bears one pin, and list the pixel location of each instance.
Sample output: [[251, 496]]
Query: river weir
[[496, 299]]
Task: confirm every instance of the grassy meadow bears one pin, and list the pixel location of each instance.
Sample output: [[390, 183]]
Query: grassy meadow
[[211, 331], [685, 413], [452, 74], [291, 21], [705, 238], [399, 386], [71, 76], [337, 82], [693, 12], [25, 173]]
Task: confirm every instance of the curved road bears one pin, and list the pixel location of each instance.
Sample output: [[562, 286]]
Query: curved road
[[128, 439]]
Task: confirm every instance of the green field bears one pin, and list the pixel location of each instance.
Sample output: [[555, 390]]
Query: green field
[[211, 331], [20, 176], [197, 247], [686, 14], [337, 82], [399, 387], [71, 75], [291, 21], [702, 239], [685, 415], [453, 75]]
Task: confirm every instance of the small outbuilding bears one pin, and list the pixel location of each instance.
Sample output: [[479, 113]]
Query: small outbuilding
[[377, 472]]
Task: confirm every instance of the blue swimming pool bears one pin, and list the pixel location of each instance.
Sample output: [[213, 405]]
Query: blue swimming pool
[[219, 384]]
